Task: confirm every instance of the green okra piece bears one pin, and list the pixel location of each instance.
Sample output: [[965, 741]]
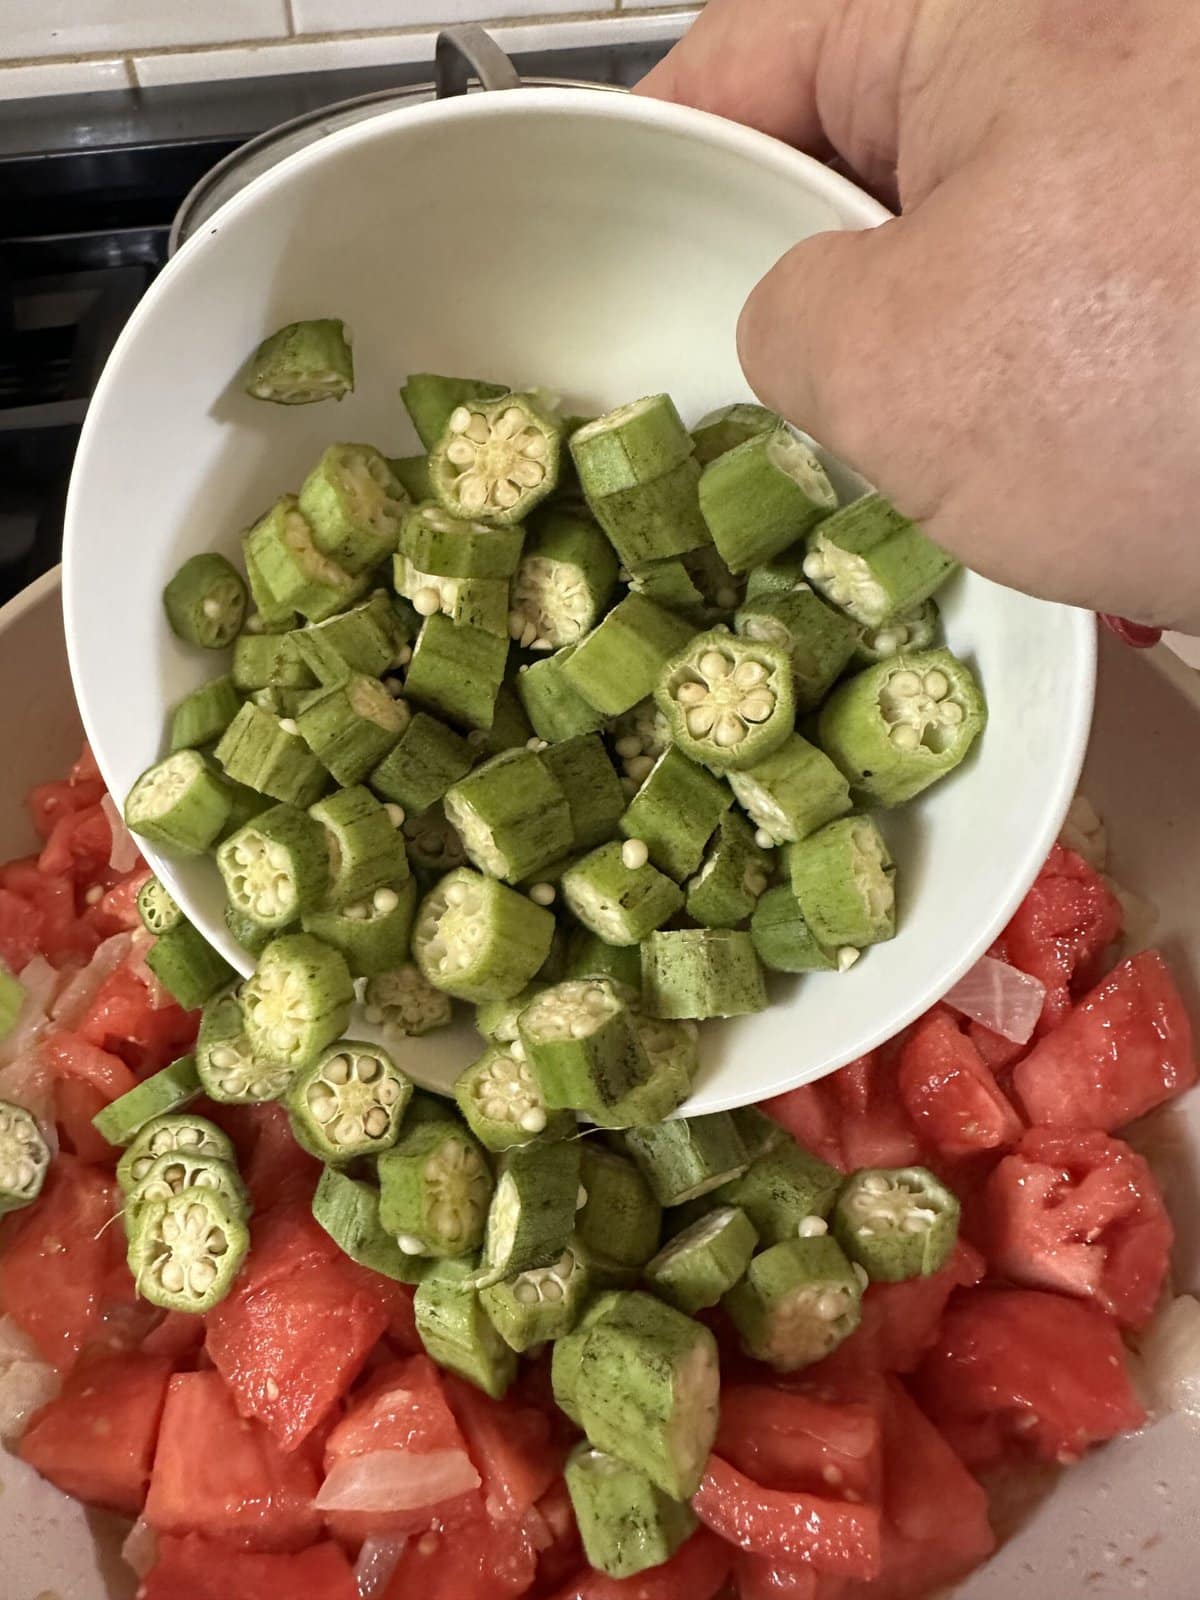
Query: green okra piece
[[626, 1524], [728, 426], [298, 1001], [674, 1058], [429, 398], [367, 639], [280, 702], [565, 578], [845, 883], [728, 700], [276, 867], [176, 1171], [581, 767], [373, 934], [900, 726], [179, 804], [457, 671], [170, 1089], [555, 708], [763, 495], [171, 1134], [758, 1132], [499, 1097], [783, 1188], [364, 845], [618, 902], [477, 939], [797, 1302], [354, 506], [675, 813], [432, 843], [268, 661], [687, 1157], [634, 444], [510, 729], [265, 753], [817, 640], [582, 1045], [496, 1020], [532, 1213], [469, 602], [349, 1103], [230, 1070], [424, 762], [302, 363], [792, 792], [251, 935], [732, 878], [896, 1223], [185, 1252], [701, 972], [495, 460], [703, 1262], [654, 520], [874, 563], [12, 998], [621, 660], [639, 736], [531, 1308], [454, 547], [403, 1002], [720, 590], [205, 602], [201, 717], [434, 1190], [426, 1107], [24, 1157], [620, 1221], [351, 726], [779, 576], [157, 909], [348, 1210], [412, 473], [457, 1332], [187, 966], [588, 956], [288, 569], [782, 937], [269, 615], [511, 815], [905, 634], [669, 583]]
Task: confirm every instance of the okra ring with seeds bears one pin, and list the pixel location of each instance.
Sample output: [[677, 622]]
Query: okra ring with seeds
[[478, 939], [302, 363], [276, 867], [205, 602], [157, 909], [231, 1071], [499, 1097], [349, 1103], [176, 1171], [728, 701], [495, 459], [798, 1301], [540, 1304], [298, 1000], [24, 1157], [435, 1186], [179, 804], [170, 1135], [185, 1252], [405, 1003], [896, 1224]]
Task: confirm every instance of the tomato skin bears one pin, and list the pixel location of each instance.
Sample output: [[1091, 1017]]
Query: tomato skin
[[20, 930], [1061, 929], [48, 803], [117, 910], [950, 1095], [78, 846], [697, 1571], [279, 1171], [1083, 1214], [123, 1019], [785, 1440], [562, 1555], [810, 1117], [482, 1559], [510, 1445], [193, 1568]]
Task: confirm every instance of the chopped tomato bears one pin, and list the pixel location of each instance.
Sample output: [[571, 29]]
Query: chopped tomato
[[510, 1445], [1018, 1369], [997, 1052], [86, 1079], [1081, 1213], [763, 1578], [876, 1128], [482, 1559], [116, 911], [1061, 930], [950, 1095], [193, 1568], [1124, 1049], [812, 1120], [62, 934], [76, 1102], [560, 1550], [785, 1440], [402, 1321], [218, 1475], [697, 1571], [279, 1170], [124, 1019], [176, 1334], [78, 845], [96, 1440], [48, 803], [20, 930]]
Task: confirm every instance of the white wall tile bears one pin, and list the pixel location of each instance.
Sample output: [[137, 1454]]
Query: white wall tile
[[335, 16], [63, 77], [31, 28], [646, 5]]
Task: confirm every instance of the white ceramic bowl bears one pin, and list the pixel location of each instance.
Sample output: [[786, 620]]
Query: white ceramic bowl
[[602, 245]]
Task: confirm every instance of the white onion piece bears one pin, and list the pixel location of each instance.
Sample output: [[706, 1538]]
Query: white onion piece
[[157, 995], [377, 1561], [26, 1382], [1170, 1352], [1085, 833], [123, 853], [77, 994], [1003, 999], [397, 1480], [140, 1550], [23, 1077]]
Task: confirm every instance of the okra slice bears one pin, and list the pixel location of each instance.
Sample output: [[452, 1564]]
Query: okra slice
[[430, 399], [668, 583], [269, 615], [471, 602], [656, 519], [502, 1103], [171, 1134], [168, 1090], [412, 472], [735, 872], [782, 937], [555, 708], [205, 602], [564, 580], [779, 576], [176, 1171], [478, 939], [457, 1332], [276, 867], [541, 1304], [374, 933], [266, 753], [354, 506], [796, 1303], [639, 737], [720, 590], [900, 726], [403, 1003], [619, 902], [348, 1210], [12, 998], [845, 883], [434, 1190], [367, 639], [510, 729], [621, 661], [817, 640], [185, 1252], [620, 1220], [424, 762], [157, 909], [187, 966], [633, 444], [701, 972], [365, 848], [351, 726], [874, 563], [792, 792], [349, 1103], [675, 813], [761, 496], [759, 1133], [627, 1524], [728, 426], [896, 1223], [298, 1000], [588, 956], [589, 781], [784, 1187], [496, 1020], [582, 1045], [179, 804], [302, 363], [230, 1070], [687, 1157], [269, 661], [495, 459], [24, 1157], [201, 717], [532, 1212], [457, 670], [511, 815], [286, 565], [728, 700], [703, 1262], [251, 935], [456, 547], [911, 631], [674, 1057]]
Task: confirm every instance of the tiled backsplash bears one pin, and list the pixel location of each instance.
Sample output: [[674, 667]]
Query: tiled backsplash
[[66, 46]]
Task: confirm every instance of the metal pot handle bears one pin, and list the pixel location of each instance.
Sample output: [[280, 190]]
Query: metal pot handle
[[466, 52]]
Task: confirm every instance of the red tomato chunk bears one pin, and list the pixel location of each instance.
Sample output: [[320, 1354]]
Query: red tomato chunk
[[197, 1569], [484, 1560], [950, 1095], [697, 1571], [788, 1441], [1061, 930]]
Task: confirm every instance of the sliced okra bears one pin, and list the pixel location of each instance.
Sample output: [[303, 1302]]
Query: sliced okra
[[758, 1132], [762, 496], [185, 1252], [266, 753], [817, 640], [675, 813], [12, 998], [728, 700], [792, 792], [230, 1070], [201, 717], [701, 972], [454, 547], [544, 1303], [639, 737], [720, 590], [620, 1220], [511, 815], [251, 935], [564, 580], [176, 1171], [582, 1045], [781, 1189], [423, 763], [179, 804], [728, 426], [348, 1210], [874, 563], [478, 939], [510, 729], [349, 1103], [187, 966], [502, 1103], [495, 459], [434, 1190], [373, 934], [354, 506], [734, 874], [845, 883], [619, 902], [430, 399], [403, 1003], [365, 847], [655, 520], [555, 708], [674, 1057], [368, 639], [24, 1157], [205, 602], [796, 1303], [295, 575], [269, 661], [625, 1522], [283, 702], [669, 583], [276, 867], [779, 576], [900, 726], [587, 777], [496, 1020], [588, 956], [171, 1134], [703, 1262], [351, 726], [470, 602], [634, 444], [157, 909], [301, 363], [457, 1332], [298, 1000], [687, 1157], [170, 1089], [896, 1223], [532, 1212], [412, 473], [432, 843], [901, 635], [269, 615], [782, 937], [457, 670], [621, 661]]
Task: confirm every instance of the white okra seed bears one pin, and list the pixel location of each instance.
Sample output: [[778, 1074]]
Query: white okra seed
[[812, 1227], [542, 894], [385, 900], [628, 746], [763, 839], [395, 814], [409, 1243], [287, 725], [846, 957], [426, 601], [634, 854]]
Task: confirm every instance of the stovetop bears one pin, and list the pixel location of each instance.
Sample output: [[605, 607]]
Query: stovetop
[[89, 185]]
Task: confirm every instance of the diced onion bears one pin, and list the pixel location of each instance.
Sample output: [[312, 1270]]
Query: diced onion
[[377, 1560], [157, 995], [140, 1550], [1085, 833], [123, 853], [1170, 1352], [1139, 918], [26, 1382], [397, 1480], [78, 992], [23, 1076], [1000, 997]]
